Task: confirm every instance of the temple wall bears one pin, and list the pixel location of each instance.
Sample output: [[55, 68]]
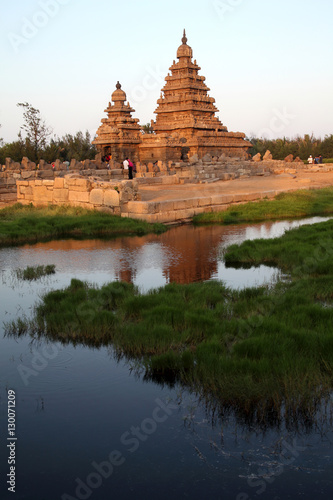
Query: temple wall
[[76, 191]]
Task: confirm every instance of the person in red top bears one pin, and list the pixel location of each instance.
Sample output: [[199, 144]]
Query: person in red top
[[130, 169]]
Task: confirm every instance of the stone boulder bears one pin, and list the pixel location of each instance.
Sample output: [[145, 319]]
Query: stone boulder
[[43, 165], [257, 157], [268, 155], [26, 164], [207, 158], [194, 159], [12, 165], [298, 160], [75, 165], [289, 158]]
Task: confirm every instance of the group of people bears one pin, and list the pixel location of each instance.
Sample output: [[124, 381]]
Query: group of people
[[128, 165], [316, 160]]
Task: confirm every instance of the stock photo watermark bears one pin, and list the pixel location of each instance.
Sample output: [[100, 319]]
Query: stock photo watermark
[[280, 119], [11, 441], [38, 363], [152, 81], [225, 7], [266, 476], [48, 9], [130, 441]]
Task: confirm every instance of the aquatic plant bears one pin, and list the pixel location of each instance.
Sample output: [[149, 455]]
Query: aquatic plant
[[35, 272]]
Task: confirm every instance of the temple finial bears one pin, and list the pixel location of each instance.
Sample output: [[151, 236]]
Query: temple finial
[[184, 39], [118, 86]]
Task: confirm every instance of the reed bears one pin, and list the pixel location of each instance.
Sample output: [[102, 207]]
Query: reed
[[35, 272]]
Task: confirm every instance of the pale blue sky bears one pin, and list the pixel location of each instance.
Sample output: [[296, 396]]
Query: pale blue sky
[[268, 63]]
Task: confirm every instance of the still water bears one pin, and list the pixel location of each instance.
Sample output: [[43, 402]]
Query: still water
[[88, 427]]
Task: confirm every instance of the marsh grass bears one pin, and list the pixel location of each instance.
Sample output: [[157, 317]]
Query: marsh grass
[[266, 349], [27, 224], [31, 273], [298, 204], [262, 348], [304, 250]]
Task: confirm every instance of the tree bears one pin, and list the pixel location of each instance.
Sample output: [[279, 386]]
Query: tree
[[14, 150], [37, 132], [147, 129], [77, 146]]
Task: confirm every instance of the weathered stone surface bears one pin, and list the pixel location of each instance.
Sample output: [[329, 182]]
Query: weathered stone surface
[[78, 196], [60, 195], [27, 164], [111, 198], [42, 194], [289, 158], [257, 157], [268, 155], [96, 196], [58, 183]]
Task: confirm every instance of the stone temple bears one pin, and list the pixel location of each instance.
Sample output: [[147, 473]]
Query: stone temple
[[186, 123]]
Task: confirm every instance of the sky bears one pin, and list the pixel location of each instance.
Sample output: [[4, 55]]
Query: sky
[[267, 63]]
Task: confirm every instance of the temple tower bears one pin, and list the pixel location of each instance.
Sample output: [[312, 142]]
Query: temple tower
[[186, 121], [119, 134]]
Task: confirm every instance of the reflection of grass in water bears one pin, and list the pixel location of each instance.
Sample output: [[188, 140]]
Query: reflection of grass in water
[[35, 272], [286, 205], [27, 224], [256, 348]]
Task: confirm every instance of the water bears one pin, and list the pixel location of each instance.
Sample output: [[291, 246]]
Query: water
[[88, 427]]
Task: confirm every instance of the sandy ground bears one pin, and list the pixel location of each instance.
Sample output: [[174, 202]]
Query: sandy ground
[[303, 179]]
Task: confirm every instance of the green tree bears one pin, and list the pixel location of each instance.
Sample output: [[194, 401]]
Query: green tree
[[14, 150], [77, 146], [37, 132], [147, 129]]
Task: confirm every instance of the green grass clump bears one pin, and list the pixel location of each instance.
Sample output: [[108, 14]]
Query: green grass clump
[[261, 347], [35, 272], [27, 224], [286, 205], [300, 251]]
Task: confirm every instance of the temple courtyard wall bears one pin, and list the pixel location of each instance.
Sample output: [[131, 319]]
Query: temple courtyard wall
[[165, 192]]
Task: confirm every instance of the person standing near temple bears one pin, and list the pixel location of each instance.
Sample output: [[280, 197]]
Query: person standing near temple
[[125, 164], [130, 169]]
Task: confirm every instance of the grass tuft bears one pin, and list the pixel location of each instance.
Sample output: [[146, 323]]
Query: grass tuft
[[303, 203], [20, 224], [35, 272]]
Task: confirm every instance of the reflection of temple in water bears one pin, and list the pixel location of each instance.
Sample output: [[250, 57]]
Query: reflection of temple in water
[[182, 255]]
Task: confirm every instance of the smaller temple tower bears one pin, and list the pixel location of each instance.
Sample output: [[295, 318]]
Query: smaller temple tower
[[119, 134]]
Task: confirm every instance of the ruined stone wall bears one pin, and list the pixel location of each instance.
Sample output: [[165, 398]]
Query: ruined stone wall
[[205, 170], [75, 190]]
